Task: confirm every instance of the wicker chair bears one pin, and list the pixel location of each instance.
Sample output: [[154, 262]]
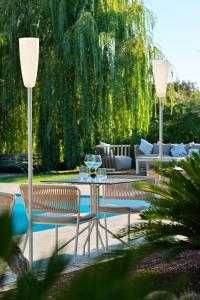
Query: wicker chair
[[60, 206], [117, 157], [124, 191], [7, 202]]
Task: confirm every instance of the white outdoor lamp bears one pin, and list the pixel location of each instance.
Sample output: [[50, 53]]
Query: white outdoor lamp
[[161, 68], [29, 55]]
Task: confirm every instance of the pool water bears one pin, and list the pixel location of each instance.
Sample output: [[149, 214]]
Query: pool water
[[20, 221]]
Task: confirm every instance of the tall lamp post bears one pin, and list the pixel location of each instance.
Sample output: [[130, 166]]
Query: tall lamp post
[[161, 68], [29, 55]]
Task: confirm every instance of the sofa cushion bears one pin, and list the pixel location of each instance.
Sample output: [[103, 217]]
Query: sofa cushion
[[187, 147], [102, 144], [145, 147], [166, 149], [123, 162], [194, 146], [178, 150], [104, 149]]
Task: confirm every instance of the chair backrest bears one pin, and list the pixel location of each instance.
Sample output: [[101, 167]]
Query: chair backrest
[[108, 156], [122, 150], [52, 198], [126, 191], [7, 202]]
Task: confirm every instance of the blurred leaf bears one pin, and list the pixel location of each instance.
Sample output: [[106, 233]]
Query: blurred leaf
[[7, 244]]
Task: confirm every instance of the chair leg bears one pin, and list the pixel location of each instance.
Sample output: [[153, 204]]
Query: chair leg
[[106, 233], [56, 238], [25, 242], [76, 243], [129, 227], [97, 237], [73, 238], [89, 240]]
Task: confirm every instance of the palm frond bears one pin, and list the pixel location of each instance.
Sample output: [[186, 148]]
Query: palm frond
[[174, 205]]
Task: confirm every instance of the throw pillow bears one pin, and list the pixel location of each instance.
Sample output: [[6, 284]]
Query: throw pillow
[[178, 150], [155, 149], [187, 147], [166, 149], [104, 144], [193, 150], [145, 147]]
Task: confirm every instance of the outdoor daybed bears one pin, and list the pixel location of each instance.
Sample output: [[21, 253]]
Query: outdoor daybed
[[147, 152]]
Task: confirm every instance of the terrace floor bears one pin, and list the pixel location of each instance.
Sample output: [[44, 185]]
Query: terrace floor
[[44, 241]]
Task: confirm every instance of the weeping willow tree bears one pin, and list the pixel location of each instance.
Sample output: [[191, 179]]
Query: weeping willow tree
[[94, 81]]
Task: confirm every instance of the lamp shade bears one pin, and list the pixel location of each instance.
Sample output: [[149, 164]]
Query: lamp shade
[[161, 68], [29, 55]]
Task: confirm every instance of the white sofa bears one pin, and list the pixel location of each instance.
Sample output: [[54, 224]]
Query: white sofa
[[142, 160]]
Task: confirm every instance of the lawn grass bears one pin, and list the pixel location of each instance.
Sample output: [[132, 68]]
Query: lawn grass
[[36, 178]]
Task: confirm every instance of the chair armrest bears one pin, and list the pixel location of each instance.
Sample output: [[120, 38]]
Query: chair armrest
[[122, 150], [137, 152]]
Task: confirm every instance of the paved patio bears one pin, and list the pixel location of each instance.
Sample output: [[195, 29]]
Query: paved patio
[[44, 241]]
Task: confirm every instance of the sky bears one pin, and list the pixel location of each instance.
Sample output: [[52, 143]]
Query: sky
[[177, 34]]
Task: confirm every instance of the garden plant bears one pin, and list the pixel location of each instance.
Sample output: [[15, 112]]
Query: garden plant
[[173, 216]]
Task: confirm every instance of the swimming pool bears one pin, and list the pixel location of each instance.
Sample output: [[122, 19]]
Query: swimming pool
[[20, 221]]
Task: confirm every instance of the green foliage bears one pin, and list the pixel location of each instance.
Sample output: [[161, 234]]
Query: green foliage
[[181, 127], [115, 278], [94, 80], [181, 119], [29, 287], [37, 178], [28, 284], [186, 88], [164, 295], [7, 245], [190, 296], [160, 295], [112, 278], [173, 216]]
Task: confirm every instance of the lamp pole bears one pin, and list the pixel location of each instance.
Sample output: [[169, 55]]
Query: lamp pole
[[29, 55], [30, 173], [160, 128], [161, 68]]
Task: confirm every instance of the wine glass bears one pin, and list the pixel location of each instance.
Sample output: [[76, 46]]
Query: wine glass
[[93, 162]]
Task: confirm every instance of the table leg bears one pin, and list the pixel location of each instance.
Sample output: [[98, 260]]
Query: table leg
[[102, 244], [88, 238], [94, 195]]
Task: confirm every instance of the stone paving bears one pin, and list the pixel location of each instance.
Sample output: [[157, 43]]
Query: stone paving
[[44, 241]]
